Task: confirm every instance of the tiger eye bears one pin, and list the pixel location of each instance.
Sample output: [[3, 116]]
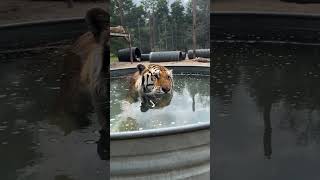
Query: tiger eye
[[153, 78]]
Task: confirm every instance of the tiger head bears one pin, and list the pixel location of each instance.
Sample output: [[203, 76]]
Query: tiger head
[[155, 79]]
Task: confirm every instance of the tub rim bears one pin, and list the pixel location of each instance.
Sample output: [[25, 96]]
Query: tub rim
[[161, 131]]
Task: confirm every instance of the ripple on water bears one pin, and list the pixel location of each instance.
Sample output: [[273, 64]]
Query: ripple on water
[[3, 95], [90, 141], [2, 128]]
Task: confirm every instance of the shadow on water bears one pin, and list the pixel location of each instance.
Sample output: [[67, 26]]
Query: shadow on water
[[267, 104], [35, 142]]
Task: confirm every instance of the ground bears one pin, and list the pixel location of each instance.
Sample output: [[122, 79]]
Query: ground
[[18, 11], [120, 65]]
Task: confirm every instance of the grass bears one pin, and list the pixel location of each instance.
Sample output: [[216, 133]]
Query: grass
[[113, 58]]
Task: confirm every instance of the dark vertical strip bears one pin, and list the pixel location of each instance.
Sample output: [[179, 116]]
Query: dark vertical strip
[[107, 64], [211, 96]]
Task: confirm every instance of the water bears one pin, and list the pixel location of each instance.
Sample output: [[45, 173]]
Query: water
[[189, 104], [35, 141], [266, 110]]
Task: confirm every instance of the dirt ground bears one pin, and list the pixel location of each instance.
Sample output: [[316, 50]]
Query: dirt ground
[[264, 6], [120, 65], [19, 11]]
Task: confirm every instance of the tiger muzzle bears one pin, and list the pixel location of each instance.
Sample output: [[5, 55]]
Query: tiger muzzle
[[166, 89]]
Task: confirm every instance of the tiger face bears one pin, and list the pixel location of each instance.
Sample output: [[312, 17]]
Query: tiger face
[[155, 79]]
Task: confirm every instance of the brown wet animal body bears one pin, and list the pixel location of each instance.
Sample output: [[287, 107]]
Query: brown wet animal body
[[86, 68], [153, 84]]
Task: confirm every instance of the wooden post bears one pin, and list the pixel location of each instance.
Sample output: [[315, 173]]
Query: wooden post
[[130, 46]]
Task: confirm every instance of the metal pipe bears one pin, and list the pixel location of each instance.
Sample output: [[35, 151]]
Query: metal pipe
[[124, 54], [164, 56], [145, 57], [204, 53], [184, 54]]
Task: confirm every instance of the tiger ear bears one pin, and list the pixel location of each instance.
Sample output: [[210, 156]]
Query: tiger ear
[[140, 67], [170, 71], [98, 20]]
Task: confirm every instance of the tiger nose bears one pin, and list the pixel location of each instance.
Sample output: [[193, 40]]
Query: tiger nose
[[165, 89]]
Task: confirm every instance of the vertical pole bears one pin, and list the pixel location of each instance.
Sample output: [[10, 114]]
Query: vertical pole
[[165, 27], [139, 34], [159, 38], [130, 46], [177, 38], [121, 11], [172, 39], [194, 27], [153, 29], [150, 31]]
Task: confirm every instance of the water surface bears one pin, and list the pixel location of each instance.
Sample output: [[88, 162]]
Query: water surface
[[36, 143], [189, 105], [266, 110]]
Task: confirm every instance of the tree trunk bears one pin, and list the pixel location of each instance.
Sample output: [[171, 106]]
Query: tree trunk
[[150, 31], [121, 11], [194, 41], [159, 38], [139, 34], [166, 35], [153, 29]]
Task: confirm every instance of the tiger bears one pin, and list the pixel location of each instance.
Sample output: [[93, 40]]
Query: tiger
[[84, 86], [153, 84]]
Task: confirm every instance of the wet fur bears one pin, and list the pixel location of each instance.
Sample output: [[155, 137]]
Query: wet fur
[[136, 90], [86, 65]]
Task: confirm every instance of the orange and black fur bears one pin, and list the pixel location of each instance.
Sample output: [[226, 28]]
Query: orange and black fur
[[153, 84]]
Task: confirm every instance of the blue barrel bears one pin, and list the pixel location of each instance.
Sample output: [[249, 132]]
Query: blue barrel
[[145, 57], [165, 56], [204, 53]]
